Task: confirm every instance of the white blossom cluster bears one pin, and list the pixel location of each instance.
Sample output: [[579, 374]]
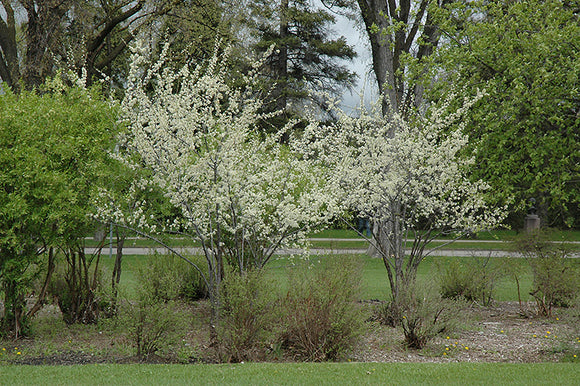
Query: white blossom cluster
[[240, 192], [379, 161]]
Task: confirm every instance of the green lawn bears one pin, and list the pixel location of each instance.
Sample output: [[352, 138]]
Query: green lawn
[[463, 245], [143, 243], [374, 283], [297, 374], [481, 241], [324, 244]]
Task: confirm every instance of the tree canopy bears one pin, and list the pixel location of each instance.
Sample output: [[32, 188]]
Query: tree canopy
[[38, 37], [527, 133]]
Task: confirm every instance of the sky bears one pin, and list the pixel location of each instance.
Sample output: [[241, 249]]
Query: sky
[[361, 65]]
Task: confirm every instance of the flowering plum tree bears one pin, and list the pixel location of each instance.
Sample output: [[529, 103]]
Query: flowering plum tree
[[241, 194], [419, 166]]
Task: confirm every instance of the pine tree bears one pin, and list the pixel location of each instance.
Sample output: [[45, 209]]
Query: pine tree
[[305, 58]]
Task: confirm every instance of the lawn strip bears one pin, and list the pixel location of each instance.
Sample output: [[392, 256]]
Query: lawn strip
[[296, 374]]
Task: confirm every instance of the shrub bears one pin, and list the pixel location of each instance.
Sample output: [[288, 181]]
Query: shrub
[[151, 325], [246, 316], [425, 315], [555, 277], [321, 318], [168, 277], [13, 320], [76, 287], [473, 281], [16, 285]]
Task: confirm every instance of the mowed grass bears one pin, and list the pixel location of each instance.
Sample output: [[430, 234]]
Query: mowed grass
[[296, 374], [374, 283], [338, 244], [349, 239], [332, 244]]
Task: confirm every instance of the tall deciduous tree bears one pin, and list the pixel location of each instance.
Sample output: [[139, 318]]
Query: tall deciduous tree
[[400, 32], [92, 34], [192, 27], [527, 133]]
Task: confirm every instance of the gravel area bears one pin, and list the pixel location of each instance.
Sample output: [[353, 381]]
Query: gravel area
[[502, 333]]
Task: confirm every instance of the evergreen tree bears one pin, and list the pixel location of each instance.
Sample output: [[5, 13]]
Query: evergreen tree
[[305, 56]]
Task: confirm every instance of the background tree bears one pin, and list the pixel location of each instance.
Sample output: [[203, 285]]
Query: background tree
[[192, 26], [401, 33], [527, 133], [306, 56], [38, 37]]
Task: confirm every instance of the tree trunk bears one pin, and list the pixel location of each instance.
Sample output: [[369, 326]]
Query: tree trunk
[[14, 304], [9, 67], [42, 295], [116, 277], [43, 34], [389, 45]]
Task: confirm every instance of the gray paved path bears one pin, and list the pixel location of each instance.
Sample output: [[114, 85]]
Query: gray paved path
[[443, 241]]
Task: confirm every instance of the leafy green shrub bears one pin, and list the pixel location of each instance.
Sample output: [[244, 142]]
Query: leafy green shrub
[[425, 314], [556, 278], [17, 281], [168, 277], [13, 320], [76, 286], [246, 316], [473, 281], [321, 318]]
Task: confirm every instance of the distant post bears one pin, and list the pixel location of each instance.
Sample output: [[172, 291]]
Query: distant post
[[532, 221], [99, 234]]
